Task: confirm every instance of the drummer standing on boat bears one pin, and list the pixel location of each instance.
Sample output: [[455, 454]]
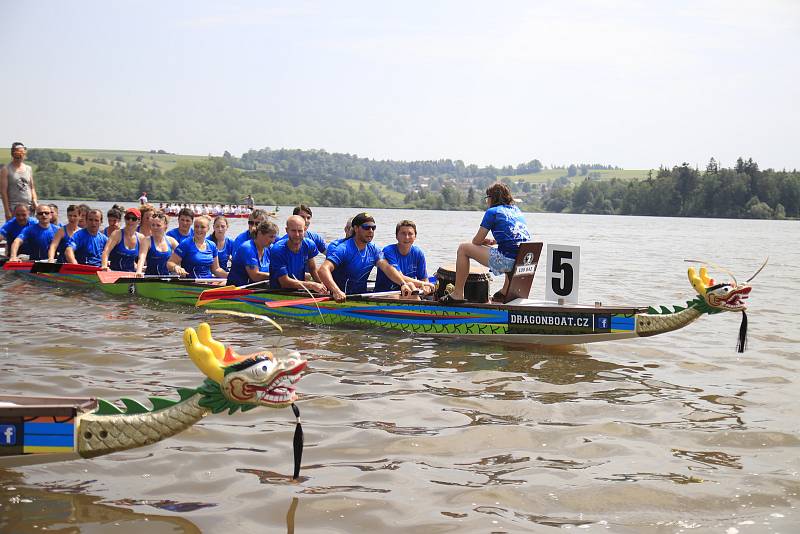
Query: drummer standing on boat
[[509, 229], [16, 182]]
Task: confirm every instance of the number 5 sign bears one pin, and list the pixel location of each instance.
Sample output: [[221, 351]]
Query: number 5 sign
[[562, 273]]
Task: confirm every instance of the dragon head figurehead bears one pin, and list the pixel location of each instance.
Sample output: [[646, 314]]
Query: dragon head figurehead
[[728, 296], [241, 381]]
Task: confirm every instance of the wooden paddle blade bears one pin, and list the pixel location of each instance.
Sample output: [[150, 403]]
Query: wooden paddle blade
[[77, 268], [18, 266], [295, 302], [109, 277], [46, 267], [210, 295]]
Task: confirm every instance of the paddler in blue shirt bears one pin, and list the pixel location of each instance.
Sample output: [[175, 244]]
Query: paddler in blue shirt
[[257, 216], [121, 252], [184, 229], [252, 260], [87, 244], [293, 257], [305, 212], [406, 257], [11, 229], [197, 256], [508, 228], [37, 236], [345, 271]]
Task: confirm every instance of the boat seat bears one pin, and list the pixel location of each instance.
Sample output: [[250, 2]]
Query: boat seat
[[521, 277]]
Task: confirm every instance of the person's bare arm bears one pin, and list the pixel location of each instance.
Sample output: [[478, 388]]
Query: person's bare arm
[[481, 239], [4, 191], [69, 254], [144, 246], [12, 255], [112, 242], [325, 272], [51, 252], [34, 196]]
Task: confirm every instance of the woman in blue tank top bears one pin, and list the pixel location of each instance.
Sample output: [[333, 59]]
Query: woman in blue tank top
[[122, 249], [156, 249], [223, 242]]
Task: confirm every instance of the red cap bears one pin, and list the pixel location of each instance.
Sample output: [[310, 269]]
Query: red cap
[[135, 211]]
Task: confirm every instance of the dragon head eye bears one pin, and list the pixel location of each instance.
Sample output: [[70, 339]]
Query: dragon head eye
[[262, 368]]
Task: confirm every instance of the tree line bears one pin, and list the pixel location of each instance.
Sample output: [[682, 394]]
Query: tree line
[[286, 177], [743, 191]]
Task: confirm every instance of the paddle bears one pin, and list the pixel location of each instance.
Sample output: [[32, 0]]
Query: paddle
[[229, 292], [45, 267], [18, 266], [112, 277]]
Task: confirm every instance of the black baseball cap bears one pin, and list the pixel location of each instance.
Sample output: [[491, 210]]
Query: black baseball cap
[[361, 218]]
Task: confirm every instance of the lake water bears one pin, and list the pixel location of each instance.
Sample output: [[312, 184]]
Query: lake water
[[666, 434]]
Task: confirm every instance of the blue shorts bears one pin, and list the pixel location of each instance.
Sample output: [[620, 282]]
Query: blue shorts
[[499, 263]]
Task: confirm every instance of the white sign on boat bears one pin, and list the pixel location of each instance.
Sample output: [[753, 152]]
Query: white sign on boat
[[563, 267]]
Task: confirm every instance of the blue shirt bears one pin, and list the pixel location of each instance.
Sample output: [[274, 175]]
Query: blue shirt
[[333, 244], [242, 238], [88, 248], [412, 264], [508, 227], [285, 262], [157, 260], [197, 262], [10, 230], [247, 256], [178, 236], [225, 252], [38, 240], [353, 266], [313, 236]]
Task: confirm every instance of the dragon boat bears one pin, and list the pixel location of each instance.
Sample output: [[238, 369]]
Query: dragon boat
[[518, 321], [42, 430]]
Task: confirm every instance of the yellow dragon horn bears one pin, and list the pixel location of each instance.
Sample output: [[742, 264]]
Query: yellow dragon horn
[[696, 281], [204, 333], [704, 276], [202, 356]]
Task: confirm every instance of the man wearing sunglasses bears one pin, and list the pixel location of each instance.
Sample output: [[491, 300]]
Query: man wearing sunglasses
[[346, 269], [257, 216], [37, 237]]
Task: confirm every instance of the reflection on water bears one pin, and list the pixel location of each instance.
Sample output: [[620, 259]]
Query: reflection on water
[[411, 433]]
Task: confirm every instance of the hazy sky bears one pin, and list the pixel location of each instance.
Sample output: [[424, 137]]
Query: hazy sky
[[635, 84]]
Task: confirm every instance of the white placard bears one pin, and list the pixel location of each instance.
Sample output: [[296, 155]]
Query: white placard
[[563, 262]]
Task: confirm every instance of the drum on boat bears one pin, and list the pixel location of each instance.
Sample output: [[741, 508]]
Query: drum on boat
[[475, 290]]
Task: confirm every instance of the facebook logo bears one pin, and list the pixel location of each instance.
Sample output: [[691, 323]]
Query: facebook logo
[[602, 322], [8, 435]]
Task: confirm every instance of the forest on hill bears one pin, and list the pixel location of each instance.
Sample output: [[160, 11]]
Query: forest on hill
[[320, 178]]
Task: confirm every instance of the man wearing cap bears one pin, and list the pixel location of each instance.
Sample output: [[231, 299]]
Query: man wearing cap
[[16, 182], [37, 237], [347, 267]]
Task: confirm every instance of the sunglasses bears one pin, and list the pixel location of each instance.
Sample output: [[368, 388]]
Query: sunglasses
[[252, 223], [131, 218], [42, 213], [368, 227]]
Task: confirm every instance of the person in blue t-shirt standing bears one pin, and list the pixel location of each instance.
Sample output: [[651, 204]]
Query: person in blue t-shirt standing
[[87, 244], [12, 228], [508, 228], [37, 237], [293, 257], [252, 260], [346, 269], [406, 257]]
